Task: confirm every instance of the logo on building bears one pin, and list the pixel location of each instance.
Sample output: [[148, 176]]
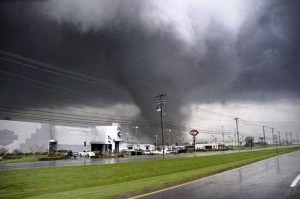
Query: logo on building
[[119, 134]]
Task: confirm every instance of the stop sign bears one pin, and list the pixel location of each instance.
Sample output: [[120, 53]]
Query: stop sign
[[194, 132]]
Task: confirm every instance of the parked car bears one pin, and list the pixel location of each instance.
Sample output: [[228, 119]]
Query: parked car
[[148, 152], [86, 153], [68, 153], [157, 152], [75, 154], [172, 151]]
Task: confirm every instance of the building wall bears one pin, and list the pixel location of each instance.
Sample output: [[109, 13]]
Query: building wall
[[24, 136], [72, 138], [35, 137], [205, 146]]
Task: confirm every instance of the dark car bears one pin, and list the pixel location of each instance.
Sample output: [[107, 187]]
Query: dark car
[[69, 153], [75, 154]]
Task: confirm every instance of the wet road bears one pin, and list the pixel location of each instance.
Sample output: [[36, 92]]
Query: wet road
[[266, 179]]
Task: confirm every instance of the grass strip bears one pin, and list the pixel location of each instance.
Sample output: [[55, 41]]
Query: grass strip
[[26, 159], [104, 181]]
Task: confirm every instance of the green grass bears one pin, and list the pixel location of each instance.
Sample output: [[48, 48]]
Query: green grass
[[25, 159], [104, 181]]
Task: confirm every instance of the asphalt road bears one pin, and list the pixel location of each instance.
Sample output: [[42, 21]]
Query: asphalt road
[[266, 179]]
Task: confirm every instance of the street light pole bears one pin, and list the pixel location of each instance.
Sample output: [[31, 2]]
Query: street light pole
[[169, 130], [127, 137], [279, 139], [272, 136], [264, 137], [230, 140], [237, 130], [136, 131], [155, 142]]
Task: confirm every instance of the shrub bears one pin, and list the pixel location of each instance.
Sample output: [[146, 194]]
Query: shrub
[[51, 158], [11, 157], [96, 156], [17, 152]]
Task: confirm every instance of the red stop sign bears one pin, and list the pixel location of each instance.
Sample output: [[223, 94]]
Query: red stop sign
[[194, 132]]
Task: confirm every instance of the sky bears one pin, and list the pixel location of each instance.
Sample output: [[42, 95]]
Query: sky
[[96, 62]]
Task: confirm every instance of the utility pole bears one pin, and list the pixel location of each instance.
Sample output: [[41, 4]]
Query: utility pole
[[237, 131], [275, 141], [297, 139], [291, 138], [286, 139], [272, 136], [161, 104], [264, 137], [279, 139], [223, 135]]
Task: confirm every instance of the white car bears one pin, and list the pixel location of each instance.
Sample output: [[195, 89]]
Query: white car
[[86, 153], [148, 152], [157, 152]]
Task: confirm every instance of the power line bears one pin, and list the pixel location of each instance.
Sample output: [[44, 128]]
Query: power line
[[91, 79], [179, 101], [61, 72], [67, 73], [50, 118]]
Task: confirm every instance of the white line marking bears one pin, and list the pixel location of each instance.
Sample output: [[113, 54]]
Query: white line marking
[[294, 183]]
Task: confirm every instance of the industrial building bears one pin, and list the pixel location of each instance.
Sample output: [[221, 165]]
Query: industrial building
[[40, 137]]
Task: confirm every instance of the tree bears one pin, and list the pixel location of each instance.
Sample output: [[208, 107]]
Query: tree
[[3, 151], [249, 141]]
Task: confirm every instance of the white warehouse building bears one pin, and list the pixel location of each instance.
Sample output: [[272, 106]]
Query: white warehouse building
[[38, 137]]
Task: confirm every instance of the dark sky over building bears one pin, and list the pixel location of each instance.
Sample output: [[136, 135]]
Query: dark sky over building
[[236, 57]]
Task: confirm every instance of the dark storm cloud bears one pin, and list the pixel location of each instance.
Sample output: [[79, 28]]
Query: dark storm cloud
[[269, 49], [152, 46], [115, 43], [174, 47]]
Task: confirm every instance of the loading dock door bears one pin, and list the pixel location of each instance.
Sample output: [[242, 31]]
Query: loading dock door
[[52, 146], [97, 147], [117, 144]]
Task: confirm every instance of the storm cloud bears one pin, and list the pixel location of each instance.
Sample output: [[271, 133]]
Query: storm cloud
[[200, 52]]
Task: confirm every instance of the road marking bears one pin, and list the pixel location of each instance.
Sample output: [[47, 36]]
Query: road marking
[[294, 183]]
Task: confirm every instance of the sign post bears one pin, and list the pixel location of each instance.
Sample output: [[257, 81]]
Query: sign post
[[194, 133]]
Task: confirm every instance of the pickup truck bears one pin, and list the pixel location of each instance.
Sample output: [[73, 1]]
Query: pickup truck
[[86, 153]]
